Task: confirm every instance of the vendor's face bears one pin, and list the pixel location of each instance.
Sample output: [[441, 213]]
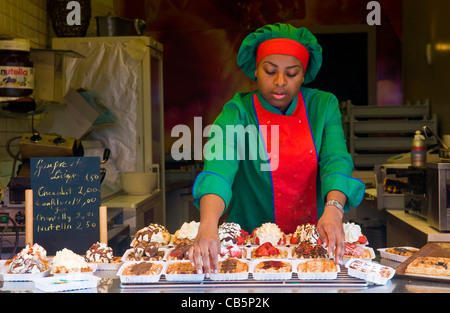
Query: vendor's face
[[279, 78]]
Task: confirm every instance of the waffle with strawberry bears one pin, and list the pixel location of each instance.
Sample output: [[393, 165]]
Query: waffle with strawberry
[[353, 250], [232, 234], [353, 234], [180, 252], [268, 251], [232, 251]]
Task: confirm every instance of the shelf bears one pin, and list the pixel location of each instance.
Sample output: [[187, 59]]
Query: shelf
[[377, 133]]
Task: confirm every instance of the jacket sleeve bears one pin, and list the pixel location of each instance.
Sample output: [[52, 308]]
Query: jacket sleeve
[[220, 161], [335, 162]]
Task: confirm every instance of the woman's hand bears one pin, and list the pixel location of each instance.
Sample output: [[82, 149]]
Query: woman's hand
[[330, 228], [331, 232], [204, 254]]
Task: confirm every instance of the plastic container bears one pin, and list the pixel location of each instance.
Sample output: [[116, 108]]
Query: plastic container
[[66, 283], [16, 68], [127, 279], [396, 257], [185, 277], [271, 275], [6, 276], [314, 275], [370, 271], [418, 150], [347, 258], [232, 276]]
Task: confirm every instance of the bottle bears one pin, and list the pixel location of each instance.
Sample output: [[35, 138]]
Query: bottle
[[418, 150]]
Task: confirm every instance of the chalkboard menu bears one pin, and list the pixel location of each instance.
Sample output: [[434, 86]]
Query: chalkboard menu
[[66, 201]]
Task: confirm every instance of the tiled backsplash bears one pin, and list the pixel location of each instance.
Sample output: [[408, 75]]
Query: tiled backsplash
[[25, 18], [29, 19]]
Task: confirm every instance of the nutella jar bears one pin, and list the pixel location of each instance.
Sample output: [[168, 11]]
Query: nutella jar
[[16, 68]]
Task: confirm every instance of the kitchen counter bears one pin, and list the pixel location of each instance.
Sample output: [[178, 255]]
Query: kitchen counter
[[406, 229], [138, 211], [402, 228]]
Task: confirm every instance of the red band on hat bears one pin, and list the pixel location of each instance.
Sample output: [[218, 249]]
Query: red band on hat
[[283, 46]]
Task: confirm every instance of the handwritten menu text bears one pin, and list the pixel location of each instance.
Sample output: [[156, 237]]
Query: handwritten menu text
[[66, 201]]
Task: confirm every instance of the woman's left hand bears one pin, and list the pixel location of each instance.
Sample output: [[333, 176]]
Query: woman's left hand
[[331, 232]]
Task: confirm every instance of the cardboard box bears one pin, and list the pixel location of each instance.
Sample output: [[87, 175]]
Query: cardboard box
[[74, 118]]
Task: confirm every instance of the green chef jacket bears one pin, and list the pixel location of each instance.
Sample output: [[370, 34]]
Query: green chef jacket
[[246, 189]]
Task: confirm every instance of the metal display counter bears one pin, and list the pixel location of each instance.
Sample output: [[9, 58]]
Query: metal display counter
[[110, 283]]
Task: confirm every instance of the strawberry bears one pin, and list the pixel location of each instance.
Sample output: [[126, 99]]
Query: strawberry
[[273, 251], [263, 250], [242, 238], [235, 253], [255, 238], [362, 239], [294, 240]]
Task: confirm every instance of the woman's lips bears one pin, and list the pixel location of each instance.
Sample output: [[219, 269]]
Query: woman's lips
[[279, 95]]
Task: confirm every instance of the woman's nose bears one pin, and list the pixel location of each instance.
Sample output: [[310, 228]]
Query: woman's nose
[[280, 80]]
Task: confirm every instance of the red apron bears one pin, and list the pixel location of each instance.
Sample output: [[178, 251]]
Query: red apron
[[293, 166]]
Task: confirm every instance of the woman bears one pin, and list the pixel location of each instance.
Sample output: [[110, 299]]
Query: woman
[[309, 177]]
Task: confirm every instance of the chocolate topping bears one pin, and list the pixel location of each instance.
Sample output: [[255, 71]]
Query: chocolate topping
[[180, 251], [141, 268], [99, 253], [151, 249], [228, 266], [272, 264], [146, 233], [228, 232], [305, 250]]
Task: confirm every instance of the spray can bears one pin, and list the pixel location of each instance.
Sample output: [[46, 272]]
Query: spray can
[[418, 150]]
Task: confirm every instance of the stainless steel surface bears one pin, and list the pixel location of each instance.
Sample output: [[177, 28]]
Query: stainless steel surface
[[438, 184]]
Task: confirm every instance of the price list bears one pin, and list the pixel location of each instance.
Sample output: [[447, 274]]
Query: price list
[[66, 201]]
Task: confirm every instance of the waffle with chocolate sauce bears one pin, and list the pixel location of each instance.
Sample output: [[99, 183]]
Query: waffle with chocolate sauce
[[143, 268], [232, 265]]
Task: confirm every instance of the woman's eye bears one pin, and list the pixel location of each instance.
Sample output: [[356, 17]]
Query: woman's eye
[[291, 75], [270, 73]]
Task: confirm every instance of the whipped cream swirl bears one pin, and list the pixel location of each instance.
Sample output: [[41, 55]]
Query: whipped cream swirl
[[269, 232], [352, 232]]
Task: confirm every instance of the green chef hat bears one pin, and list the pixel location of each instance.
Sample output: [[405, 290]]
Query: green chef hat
[[247, 56]]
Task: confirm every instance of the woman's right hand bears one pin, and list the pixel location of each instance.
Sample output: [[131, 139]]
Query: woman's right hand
[[204, 254]]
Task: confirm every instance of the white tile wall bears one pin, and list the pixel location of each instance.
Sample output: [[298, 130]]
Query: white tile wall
[[29, 19]]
